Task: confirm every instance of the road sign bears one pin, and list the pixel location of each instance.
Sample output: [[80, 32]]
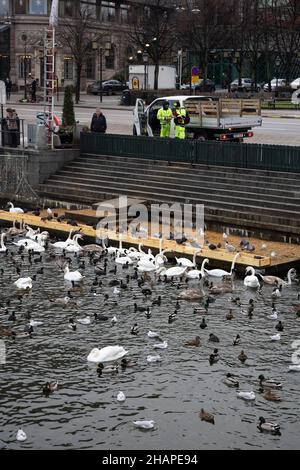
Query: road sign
[[195, 70], [195, 79], [135, 83]]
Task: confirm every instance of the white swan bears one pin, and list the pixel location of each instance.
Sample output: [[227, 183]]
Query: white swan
[[14, 210], [108, 354], [196, 274], [251, 280], [3, 248], [221, 272], [123, 260], [74, 246], [185, 262], [277, 281], [72, 276], [13, 231], [63, 245], [177, 271], [24, 283]]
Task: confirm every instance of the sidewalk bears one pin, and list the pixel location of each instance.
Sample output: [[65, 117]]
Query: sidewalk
[[86, 101]]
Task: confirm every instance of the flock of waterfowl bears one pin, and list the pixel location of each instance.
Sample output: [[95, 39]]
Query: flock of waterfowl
[[26, 249]]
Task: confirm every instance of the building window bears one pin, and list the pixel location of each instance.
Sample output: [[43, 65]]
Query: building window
[[91, 68], [68, 68], [108, 11], [124, 13], [38, 7], [110, 61], [20, 7], [24, 65], [4, 7], [67, 8]]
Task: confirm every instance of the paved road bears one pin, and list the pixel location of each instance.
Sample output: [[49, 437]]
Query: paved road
[[274, 131]]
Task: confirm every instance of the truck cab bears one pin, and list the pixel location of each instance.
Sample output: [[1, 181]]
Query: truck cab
[[210, 118]]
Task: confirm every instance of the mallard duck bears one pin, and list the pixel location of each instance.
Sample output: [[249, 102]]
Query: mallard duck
[[230, 381], [127, 363], [273, 428], [230, 315], [269, 383], [134, 330], [243, 357], [237, 341], [24, 335], [110, 369], [50, 387], [270, 396], [172, 318], [213, 338], [196, 342], [5, 331], [214, 358], [208, 417]]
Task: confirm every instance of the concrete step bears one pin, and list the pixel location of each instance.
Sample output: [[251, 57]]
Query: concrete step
[[182, 197], [235, 215], [179, 166], [282, 178], [186, 192], [190, 181]]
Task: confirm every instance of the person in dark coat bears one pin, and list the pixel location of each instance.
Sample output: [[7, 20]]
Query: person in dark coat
[[33, 90], [98, 123], [8, 87], [12, 125]]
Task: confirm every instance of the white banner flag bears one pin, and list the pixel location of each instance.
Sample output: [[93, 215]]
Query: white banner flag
[[54, 13]]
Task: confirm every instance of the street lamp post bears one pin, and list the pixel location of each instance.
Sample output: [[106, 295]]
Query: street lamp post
[[145, 60], [277, 63], [24, 39]]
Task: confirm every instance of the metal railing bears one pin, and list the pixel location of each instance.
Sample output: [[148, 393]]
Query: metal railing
[[260, 156]]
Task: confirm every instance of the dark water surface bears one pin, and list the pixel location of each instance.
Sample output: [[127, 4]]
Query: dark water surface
[[84, 413]]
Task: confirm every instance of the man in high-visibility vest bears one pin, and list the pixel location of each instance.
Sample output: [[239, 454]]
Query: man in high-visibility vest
[[180, 116], [165, 117]]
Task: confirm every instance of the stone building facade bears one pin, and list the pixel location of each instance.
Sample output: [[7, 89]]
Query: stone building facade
[[22, 26]]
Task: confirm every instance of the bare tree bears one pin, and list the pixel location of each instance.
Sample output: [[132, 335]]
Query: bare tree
[[286, 21], [154, 32], [78, 35]]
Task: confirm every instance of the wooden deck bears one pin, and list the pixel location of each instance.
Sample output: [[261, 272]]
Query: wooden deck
[[217, 257]]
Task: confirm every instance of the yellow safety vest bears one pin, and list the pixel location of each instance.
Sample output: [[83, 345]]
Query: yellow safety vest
[[164, 116]]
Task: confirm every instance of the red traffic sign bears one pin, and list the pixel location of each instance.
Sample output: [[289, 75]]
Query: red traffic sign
[[195, 70]]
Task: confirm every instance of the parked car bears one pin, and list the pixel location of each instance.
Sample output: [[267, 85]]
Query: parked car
[[246, 85], [206, 85], [109, 87], [295, 85], [276, 84]]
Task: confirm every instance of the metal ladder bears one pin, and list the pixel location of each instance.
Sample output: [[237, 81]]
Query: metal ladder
[[49, 79]]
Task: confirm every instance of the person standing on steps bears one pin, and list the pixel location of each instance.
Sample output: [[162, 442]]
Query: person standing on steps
[[98, 123]]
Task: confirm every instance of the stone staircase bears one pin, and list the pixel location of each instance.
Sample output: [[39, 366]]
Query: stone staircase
[[261, 201]]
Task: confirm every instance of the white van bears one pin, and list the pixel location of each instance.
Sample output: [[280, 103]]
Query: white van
[[210, 118]]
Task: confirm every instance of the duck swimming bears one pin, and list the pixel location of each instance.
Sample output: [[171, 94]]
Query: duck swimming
[[208, 417], [110, 369], [230, 381], [272, 428], [269, 383]]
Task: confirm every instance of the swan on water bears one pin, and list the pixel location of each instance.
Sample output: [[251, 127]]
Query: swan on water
[[74, 247], [63, 245], [123, 260], [177, 271], [221, 272], [24, 283], [185, 262], [277, 281], [107, 354], [196, 274], [3, 248], [251, 280], [72, 276]]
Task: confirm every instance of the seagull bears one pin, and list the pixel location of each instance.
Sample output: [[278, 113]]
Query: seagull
[[121, 397], [152, 359], [21, 436], [151, 334], [163, 345], [144, 424]]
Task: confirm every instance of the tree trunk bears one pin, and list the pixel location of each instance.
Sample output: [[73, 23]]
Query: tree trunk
[[156, 74], [78, 82]]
